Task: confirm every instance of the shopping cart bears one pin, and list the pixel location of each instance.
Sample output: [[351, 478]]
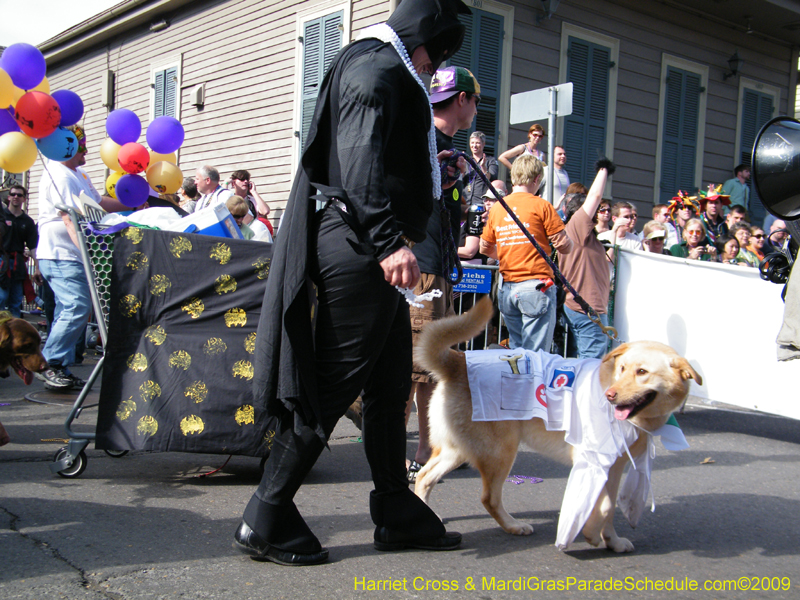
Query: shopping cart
[[182, 310], [96, 249]]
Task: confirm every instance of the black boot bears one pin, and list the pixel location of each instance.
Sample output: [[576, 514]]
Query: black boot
[[278, 534], [404, 521]]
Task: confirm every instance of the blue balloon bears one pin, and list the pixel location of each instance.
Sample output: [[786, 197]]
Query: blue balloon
[[165, 134], [132, 190], [24, 64], [61, 145], [123, 126], [71, 106], [7, 121]]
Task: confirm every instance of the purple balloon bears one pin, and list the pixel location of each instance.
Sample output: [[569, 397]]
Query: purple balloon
[[7, 121], [24, 64], [165, 135], [132, 190], [71, 106], [61, 145], [123, 126]]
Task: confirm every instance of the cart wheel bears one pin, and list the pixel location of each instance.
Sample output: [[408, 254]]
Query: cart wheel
[[116, 453], [78, 465]]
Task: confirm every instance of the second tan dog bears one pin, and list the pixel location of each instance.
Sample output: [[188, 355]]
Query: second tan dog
[[644, 381]]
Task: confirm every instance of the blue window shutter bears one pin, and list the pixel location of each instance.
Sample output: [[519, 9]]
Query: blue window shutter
[[166, 93], [158, 108], [585, 129], [171, 92], [679, 145], [757, 110], [322, 39], [482, 53]]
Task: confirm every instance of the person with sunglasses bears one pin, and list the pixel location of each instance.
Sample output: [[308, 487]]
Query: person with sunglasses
[[695, 244], [603, 217], [535, 135], [757, 243], [21, 234]]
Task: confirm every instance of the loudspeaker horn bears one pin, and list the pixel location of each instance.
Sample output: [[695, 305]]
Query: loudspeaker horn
[[776, 167]]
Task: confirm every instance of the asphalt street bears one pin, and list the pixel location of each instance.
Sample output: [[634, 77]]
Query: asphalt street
[[147, 526]]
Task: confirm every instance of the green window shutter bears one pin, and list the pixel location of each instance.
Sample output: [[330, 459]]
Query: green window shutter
[[585, 129], [757, 110], [679, 145], [482, 53], [322, 40]]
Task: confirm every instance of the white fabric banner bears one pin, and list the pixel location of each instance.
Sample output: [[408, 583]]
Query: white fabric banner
[[723, 318]]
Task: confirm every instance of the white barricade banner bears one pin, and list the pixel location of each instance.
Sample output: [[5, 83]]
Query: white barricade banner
[[723, 318]]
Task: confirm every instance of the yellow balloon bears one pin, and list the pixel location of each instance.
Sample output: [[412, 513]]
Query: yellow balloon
[[156, 157], [109, 154], [17, 152], [164, 177], [44, 86], [111, 183], [6, 89]]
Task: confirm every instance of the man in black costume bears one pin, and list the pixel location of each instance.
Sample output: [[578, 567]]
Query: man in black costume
[[371, 155]]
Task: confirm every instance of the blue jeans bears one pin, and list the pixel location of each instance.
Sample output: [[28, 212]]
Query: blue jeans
[[12, 296], [589, 339], [529, 315], [73, 307]]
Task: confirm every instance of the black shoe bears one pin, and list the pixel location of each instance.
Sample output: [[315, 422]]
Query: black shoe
[[57, 378], [248, 541], [77, 382], [390, 539]]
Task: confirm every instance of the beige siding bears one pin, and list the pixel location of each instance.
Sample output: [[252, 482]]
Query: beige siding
[[244, 52]]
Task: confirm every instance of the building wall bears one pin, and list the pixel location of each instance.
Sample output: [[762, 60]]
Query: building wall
[[244, 52], [644, 39]]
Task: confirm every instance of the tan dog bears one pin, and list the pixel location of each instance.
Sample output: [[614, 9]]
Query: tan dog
[[644, 381], [20, 348]]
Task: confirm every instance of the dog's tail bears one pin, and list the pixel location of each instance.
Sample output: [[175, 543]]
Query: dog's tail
[[432, 351]]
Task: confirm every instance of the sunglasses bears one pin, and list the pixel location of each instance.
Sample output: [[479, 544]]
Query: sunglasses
[[15, 195], [758, 236], [604, 210], [694, 232], [536, 135]]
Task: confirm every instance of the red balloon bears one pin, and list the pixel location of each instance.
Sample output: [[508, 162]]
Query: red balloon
[[133, 158], [37, 114]]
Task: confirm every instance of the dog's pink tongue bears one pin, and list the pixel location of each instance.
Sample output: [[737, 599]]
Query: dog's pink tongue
[[622, 412]]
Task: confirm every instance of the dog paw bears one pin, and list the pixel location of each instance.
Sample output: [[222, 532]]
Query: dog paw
[[520, 528], [619, 544]]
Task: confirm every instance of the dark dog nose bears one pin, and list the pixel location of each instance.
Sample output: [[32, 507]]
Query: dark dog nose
[[611, 394]]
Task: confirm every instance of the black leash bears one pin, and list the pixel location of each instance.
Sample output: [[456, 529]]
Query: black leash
[[590, 312]]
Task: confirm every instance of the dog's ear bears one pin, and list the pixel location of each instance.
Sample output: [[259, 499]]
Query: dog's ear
[[686, 370], [618, 351]]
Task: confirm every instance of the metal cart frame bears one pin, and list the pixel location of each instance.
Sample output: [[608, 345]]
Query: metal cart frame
[[71, 460]]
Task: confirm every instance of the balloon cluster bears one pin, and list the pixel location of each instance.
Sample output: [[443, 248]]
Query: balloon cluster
[[30, 116], [127, 158]]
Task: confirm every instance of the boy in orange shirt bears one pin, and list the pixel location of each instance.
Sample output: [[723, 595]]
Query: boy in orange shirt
[[528, 310]]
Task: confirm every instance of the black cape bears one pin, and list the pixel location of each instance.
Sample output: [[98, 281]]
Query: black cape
[[367, 146]]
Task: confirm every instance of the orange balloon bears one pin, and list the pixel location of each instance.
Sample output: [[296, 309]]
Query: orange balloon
[[37, 114], [133, 158]]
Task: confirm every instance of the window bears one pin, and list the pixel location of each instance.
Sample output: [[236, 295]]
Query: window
[[482, 53], [588, 60], [757, 104], [588, 67], [681, 128], [165, 95], [322, 40]]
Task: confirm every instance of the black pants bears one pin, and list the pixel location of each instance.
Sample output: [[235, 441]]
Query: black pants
[[363, 342]]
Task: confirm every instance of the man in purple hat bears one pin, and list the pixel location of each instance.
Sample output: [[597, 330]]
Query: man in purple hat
[[455, 94]]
